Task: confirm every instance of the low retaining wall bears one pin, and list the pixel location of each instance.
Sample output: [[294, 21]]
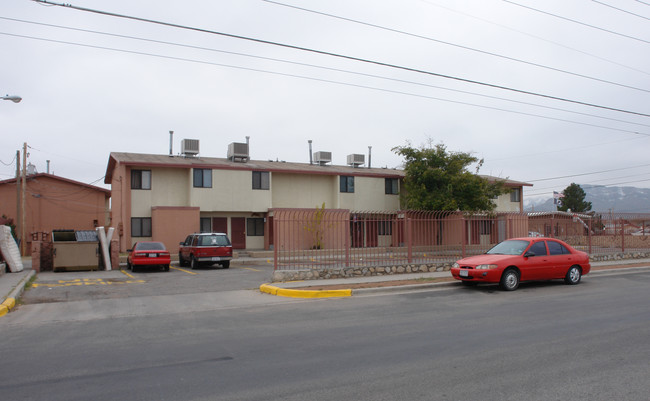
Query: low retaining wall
[[367, 271], [608, 257]]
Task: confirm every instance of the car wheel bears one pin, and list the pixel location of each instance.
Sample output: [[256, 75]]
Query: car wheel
[[573, 276], [226, 264], [166, 268], [193, 262], [509, 280], [133, 268], [181, 261], [128, 265]]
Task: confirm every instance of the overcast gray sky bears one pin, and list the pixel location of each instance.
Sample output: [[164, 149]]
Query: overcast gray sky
[[538, 89]]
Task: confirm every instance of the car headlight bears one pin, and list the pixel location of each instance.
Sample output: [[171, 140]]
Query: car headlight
[[486, 267], [455, 265]]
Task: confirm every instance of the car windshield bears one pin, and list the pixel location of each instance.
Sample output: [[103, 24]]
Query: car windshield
[[510, 247], [150, 246], [213, 240]]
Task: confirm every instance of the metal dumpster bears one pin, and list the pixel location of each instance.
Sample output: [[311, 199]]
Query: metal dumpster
[[75, 250]]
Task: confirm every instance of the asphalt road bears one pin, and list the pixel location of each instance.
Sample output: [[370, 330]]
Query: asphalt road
[[546, 341]]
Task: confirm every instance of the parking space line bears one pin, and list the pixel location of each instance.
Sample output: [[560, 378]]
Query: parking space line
[[85, 282], [127, 274], [183, 270], [250, 268]]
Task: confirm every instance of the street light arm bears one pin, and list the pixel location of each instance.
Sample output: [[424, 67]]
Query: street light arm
[[13, 98]]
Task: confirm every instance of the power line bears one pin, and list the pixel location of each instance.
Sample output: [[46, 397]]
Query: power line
[[315, 66], [575, 22], [591, 173], [321, 52], [620, 9], [456, 45], [329, 81], [536, 37]]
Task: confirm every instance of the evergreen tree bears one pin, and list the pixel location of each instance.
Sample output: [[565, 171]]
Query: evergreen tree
[[439, 180], [574, 199]]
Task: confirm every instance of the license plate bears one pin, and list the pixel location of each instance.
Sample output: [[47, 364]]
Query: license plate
[[464, 273], [216, 259], [153, 255]]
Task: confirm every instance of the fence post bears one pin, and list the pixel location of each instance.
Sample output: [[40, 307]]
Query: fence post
[[346, 221], [275, 243], [589, 235], [409, 240], [463, 240], [622, 235]]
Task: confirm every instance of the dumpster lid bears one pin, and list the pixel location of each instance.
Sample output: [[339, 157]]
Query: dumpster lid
[[86, 236]]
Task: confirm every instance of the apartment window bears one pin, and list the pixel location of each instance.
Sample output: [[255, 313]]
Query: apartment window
[[141, 226], [385, 228], [202, 178], [392, 186], [206, 225], [347, 183], [515, 195], [140, 179], [255, 227], [260, 180]]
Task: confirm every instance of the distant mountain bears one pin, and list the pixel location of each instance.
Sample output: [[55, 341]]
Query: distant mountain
[[618, 199]]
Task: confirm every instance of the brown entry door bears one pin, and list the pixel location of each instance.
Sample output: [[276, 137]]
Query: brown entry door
[[220, 225], [238, 234]]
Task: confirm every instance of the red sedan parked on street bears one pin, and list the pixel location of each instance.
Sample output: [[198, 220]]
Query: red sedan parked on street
[[148, 253], [523, 259]]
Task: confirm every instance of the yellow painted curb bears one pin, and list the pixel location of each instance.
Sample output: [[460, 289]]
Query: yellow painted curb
[[7, 305], [290, 293]]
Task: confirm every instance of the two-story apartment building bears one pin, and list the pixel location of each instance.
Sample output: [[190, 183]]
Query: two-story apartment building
[[164, 198]]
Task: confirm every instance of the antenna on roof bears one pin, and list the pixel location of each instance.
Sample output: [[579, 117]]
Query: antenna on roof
[[171, 142]]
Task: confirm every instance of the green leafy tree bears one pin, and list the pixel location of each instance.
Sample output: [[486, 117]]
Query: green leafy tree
[[574, 199], [440, 180]]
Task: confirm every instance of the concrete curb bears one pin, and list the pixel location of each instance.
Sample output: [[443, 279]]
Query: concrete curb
[[10, 302], [291, 293], [297, 293]]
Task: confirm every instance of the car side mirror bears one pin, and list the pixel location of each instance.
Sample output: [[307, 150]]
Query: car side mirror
[[528, 254], [129, 250], [181, 243]]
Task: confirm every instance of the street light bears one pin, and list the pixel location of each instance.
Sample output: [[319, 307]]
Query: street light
[[13, 98]]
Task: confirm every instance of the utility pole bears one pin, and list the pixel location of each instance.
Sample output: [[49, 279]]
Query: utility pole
[[17, 219], [24, 180]]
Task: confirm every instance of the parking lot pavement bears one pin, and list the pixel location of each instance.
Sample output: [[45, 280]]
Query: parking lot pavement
[[91, 285]]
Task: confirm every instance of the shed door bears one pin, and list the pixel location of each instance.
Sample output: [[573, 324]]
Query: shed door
[[238, 234]]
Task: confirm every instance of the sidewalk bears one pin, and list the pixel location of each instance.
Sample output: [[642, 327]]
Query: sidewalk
[[12, 286]]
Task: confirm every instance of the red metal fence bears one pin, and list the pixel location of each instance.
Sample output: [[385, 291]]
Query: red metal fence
[[336, 238]]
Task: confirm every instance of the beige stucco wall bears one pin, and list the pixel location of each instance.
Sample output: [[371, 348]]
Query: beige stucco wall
[[231, 191], [303, 191], [505, 205], [369, 195]]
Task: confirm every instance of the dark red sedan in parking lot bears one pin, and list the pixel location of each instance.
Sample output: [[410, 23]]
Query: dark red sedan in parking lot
[[523, 259], [148, 253]]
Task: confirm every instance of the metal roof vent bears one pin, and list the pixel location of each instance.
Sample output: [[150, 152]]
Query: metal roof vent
[[355, 160], [322, 158], [190, 147], [238, 152]]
